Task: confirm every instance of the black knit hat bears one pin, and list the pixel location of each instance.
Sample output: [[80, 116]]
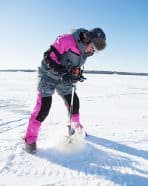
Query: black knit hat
[[98, 38], [95, 36]]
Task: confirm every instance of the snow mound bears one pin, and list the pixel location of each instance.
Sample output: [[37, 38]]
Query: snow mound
[[59, 141]]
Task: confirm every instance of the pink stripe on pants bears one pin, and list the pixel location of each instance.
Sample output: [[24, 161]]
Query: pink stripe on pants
[[34, 125]]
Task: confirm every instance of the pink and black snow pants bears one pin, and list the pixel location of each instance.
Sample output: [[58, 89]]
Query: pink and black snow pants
[[41, 111]]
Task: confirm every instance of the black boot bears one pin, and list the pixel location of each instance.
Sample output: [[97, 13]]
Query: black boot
[[30, 148], [71, 131]]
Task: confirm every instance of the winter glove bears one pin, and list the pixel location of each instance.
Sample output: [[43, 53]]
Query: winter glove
[[73, 76], [77, 72]]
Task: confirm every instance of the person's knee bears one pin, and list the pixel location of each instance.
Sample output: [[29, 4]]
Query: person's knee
[[45, 107], [42, 115], [76, 103]]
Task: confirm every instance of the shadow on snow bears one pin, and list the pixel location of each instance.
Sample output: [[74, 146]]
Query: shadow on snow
[[95, 161]]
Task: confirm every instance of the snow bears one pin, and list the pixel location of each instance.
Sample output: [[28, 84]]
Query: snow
[[114, 111]]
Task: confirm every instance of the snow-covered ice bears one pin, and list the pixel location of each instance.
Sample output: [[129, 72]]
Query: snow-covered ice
[[114, 111]]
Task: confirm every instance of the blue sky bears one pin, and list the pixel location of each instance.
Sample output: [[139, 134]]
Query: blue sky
[[28, 27]]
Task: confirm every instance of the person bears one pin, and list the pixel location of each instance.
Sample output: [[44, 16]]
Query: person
[[60, 68]]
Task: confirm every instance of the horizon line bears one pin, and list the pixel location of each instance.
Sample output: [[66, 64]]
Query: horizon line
[[85, 71]]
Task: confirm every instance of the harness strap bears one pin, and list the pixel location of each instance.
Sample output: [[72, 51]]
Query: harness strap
[[51, 63], [54, 50]]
